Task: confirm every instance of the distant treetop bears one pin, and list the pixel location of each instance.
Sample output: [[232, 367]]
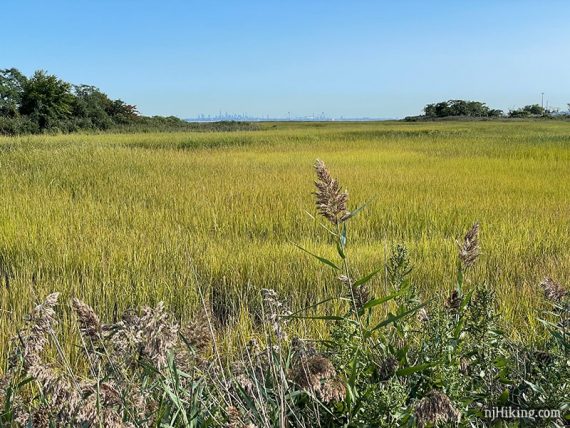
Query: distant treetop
[[460, 108], [476, 109], [45, 103]]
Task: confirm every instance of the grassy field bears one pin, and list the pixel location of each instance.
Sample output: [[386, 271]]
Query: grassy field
[[127, 220]]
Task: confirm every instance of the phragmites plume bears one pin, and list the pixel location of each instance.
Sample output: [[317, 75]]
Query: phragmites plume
[[453, 302], [330, 200], [387, 368], [316, 373], [41, 324], [422, 315], [469, 249], [159, 333], [89, 323], [197, 333], [274, 311], [358, 294], [436, 408], [553, 291]]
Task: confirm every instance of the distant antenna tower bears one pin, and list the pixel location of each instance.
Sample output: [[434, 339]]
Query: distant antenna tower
[[542, 99]]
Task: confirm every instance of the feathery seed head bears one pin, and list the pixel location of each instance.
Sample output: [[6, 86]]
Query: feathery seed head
[[197, 333], [89, 323], [317, 374], [330, 200], [436, 408], [41, 323], [553, 291], [422, 315], [469, 249], [274, 310], [453, 301]]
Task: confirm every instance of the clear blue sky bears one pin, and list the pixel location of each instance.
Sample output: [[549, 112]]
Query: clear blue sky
[[351, 58]]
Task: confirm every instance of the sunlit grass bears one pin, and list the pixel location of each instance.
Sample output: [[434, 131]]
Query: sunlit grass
[[127, 220]]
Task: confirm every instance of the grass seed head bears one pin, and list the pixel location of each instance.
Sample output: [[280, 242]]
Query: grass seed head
[[436, 408], [453, 302], [89, 323], [553, 291], [316, 373], [41, 323], [197, 333], [330, 200], [469, 249], [274, 310]]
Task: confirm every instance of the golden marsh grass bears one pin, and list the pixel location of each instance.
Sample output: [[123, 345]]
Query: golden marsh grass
[[128, 220]]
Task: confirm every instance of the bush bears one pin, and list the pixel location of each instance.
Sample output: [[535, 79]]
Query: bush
[[17, 125]]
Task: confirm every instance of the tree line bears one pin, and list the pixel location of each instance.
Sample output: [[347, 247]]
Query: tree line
[[477, 109], [43, 103]]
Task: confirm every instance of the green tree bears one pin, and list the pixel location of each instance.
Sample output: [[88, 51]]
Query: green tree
[[122, 113], [529, 111], [460, 108], [47, 100], [11, 90], [91, 107]]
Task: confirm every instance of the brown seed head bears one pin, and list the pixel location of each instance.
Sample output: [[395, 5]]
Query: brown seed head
[[360, 296], [316, 373], [197, 333], [553, 291], [41, 323], [469, 249], [89, 323], [330, 200], [387, 368], [436, 408], [453, 301]]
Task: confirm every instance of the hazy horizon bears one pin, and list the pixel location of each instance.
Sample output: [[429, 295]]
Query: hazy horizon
[[361, 59]]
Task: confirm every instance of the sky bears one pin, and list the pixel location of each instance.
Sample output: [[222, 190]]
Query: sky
[[383, 59]]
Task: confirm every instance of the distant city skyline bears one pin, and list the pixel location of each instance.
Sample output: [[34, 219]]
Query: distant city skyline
[[379, 59], [202, 117]]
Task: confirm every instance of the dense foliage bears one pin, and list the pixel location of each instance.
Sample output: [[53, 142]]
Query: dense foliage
[[533, 110], [462, 109], [44, 103]]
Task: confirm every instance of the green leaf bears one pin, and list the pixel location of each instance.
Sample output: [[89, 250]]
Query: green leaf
[[414, 369], [353, 213], [340, 250], [393, 318], [312, 306], [321, 259], [366, 278], [504, 397], [380, 300], [320, 317]]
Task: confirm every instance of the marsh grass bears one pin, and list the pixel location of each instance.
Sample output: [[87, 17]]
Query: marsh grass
[[386, 359], [128, 220]]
